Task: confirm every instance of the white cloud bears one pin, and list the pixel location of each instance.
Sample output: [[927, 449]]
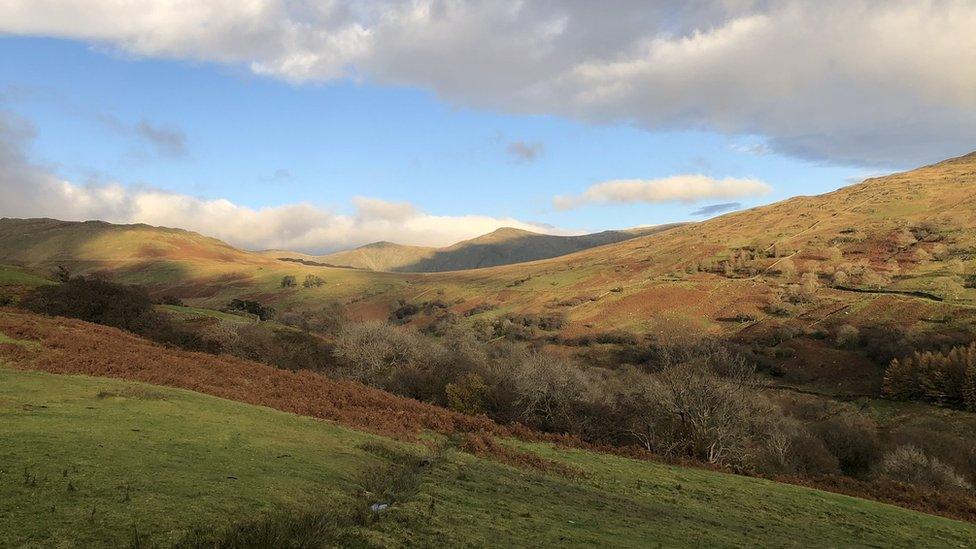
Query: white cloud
[[678, 188], [29, 190], [851, 81]]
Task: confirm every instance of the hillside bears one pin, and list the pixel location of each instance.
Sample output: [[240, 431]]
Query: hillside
[[501, 247], [906, 244], [30, 241], [132, 475]]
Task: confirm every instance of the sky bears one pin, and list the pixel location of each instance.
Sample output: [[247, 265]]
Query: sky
[[318, 126]]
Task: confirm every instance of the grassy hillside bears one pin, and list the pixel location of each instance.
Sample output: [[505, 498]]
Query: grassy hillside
[[109, 462], [95, 462], [502, 247], [906, 245]]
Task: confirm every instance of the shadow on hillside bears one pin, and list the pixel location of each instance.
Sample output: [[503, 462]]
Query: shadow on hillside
[[519, 249]]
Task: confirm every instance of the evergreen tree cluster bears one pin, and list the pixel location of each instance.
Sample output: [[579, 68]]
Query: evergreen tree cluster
[[942, 378]]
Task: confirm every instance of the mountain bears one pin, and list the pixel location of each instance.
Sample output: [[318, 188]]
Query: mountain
[[97, 243], [905, 243], [502, 247]]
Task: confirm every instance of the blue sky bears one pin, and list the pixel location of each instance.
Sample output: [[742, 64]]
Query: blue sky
[[207, 119]]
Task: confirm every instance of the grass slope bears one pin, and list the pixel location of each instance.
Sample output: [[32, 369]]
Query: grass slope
[[12, 276], [90, 461]]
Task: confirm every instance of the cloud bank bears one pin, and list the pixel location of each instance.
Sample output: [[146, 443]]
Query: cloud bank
[[30, 190], [868, 82], [678, 188]]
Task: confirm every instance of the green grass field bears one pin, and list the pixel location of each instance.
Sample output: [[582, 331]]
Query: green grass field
[[94, 462], [12, 276], [197, 312]]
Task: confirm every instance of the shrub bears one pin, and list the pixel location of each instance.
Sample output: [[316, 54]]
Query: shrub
[[171, 300], [847, 336], [940, 440], [910, 465], [61, 273], [5, 300], [548, 390], [94, 300], [467, 395], [329, 319], [884, 343], [120, 306], [970, 281], [481, 308], [252, 307], [281, 347], [702, 404], [313, 281], [778, 307], [403, 312], [371, 352], [903, 239], [853, 440], [288, 281], [789, 448], [294, 320]]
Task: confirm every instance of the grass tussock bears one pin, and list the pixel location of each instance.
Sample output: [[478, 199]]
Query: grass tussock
[[133, 391]]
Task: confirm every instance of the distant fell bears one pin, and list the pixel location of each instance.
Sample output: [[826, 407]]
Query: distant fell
[[504, 246]]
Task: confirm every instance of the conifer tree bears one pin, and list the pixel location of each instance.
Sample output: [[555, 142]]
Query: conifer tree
[[899, 380]]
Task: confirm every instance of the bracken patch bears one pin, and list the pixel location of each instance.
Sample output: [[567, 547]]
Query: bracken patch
[[69, 346]]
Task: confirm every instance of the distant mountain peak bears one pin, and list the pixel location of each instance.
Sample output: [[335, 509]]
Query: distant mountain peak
[[379, 244], [502, 234], [509, 231]]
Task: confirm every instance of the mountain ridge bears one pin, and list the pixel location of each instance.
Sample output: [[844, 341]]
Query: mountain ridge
[[503, 246]]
